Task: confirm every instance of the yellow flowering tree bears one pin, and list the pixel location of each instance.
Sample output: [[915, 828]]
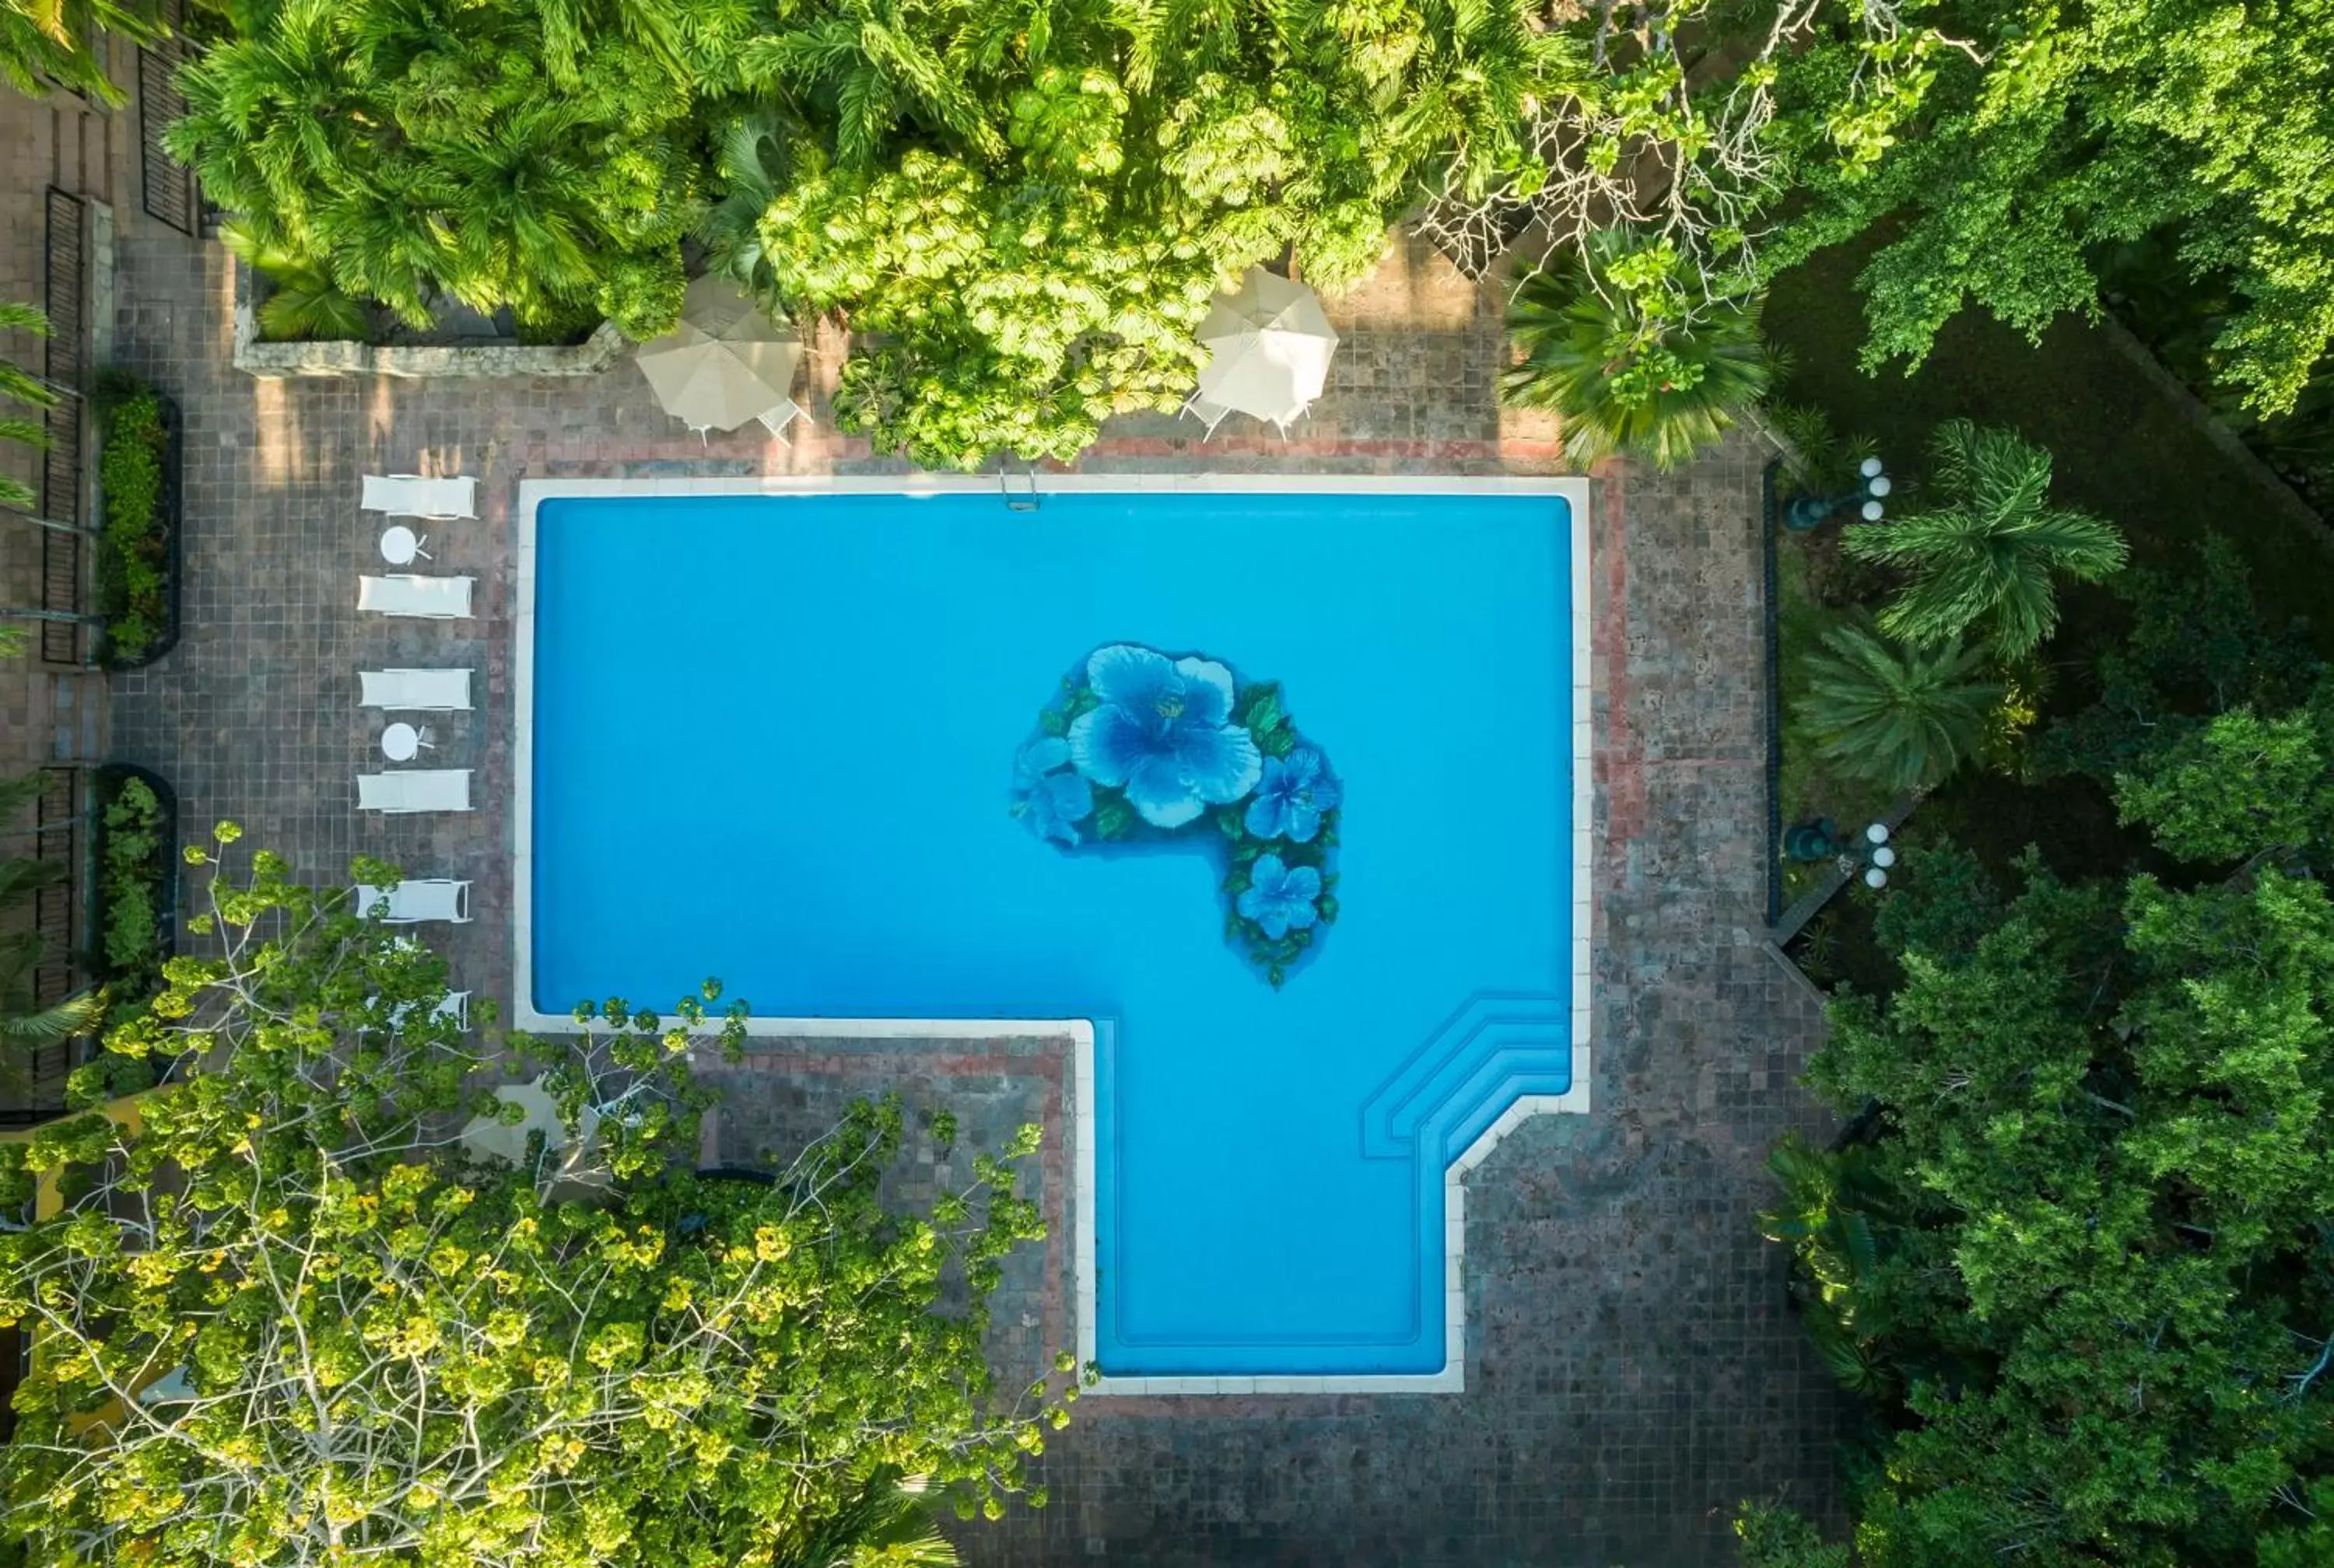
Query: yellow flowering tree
[[285, 1318]]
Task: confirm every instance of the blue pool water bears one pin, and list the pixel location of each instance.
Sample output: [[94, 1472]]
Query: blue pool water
[[773, 738]]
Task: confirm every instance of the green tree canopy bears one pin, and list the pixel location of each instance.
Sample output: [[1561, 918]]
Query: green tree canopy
[[1030, 208], [2084, 1252], [2196, 647], [405, 148], [2002, 167], [285, 1319]]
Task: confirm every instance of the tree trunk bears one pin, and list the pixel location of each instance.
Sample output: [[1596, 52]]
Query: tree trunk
[[12, 612], [56, 526]]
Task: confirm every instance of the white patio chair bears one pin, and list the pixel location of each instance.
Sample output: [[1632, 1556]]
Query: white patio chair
[[441, 500], [419, 598], [415, 690], [775, 420], [456, 1007], [412, 902], [415, 790]]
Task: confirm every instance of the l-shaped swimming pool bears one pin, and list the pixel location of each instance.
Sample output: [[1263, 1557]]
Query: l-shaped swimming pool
[[1272, 793]]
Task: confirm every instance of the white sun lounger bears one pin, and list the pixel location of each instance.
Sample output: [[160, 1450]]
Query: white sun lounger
[[456, 1007], [425, 598], [415, 790], [416, 495], [416, 691], [412, 902]]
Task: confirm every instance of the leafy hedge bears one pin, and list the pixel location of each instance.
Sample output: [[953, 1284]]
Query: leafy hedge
[[134, 557], [131, 874]]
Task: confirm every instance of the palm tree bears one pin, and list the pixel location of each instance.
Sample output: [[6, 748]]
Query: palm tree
[[890, 1522], [1987, 555], [16, 382], [1625, 369], [277, 121], [1901, 716], [876, 62], [303, 301], [25, 1025], [46, 42], [521, 222], [750, 161]]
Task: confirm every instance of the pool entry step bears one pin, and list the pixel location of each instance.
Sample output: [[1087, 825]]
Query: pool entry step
[[1493, 1052]]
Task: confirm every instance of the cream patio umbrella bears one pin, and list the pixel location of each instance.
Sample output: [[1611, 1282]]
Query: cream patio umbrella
[[725, 363], [1268, 347]]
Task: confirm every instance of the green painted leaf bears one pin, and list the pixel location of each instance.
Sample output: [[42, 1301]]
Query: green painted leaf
[[1264, 715]]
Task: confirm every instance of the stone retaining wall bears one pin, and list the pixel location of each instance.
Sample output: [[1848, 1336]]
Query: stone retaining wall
[[275, 362]]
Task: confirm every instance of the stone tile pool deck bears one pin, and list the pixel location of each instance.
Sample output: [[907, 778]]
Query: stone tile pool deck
[[1632, 1369]]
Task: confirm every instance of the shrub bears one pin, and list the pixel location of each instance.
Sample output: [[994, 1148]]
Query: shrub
[[130, 892], [133, 543]]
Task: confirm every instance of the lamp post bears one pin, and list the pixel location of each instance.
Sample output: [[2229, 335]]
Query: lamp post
[[1876, 855], [1807, 511], [1818, 840]]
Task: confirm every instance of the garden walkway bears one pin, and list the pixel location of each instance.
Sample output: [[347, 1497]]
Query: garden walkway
[[1631, 1371]]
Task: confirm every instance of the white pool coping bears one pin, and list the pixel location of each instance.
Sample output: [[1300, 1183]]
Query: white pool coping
[[1577, 494]]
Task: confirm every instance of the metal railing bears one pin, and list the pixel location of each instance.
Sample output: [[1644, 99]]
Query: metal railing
[[170, 196], [66, 369], [32, 1085]]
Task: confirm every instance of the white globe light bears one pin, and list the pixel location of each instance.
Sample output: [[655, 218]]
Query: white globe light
[[1875, 878], [1869, 468], [1879, 485], [1877, 832], [1873, 510], [1883, 856]]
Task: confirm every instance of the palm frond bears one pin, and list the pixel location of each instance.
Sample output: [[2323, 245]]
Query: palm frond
[[17, 795], [1587, 356], [53, 1025], [1987, 555], [1904, 716], [23, 876]]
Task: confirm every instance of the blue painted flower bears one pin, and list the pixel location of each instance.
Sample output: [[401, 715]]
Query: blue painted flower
[[1163, 734], [1051, 804], [1038, 758], [1279, 897], [1297, 790]]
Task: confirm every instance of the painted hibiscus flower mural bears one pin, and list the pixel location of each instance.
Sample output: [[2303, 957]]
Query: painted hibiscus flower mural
[[1145, 747]]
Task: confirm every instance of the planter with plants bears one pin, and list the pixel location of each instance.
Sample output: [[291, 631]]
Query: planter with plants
[[137, 534], [291, 323], [133, 885]]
